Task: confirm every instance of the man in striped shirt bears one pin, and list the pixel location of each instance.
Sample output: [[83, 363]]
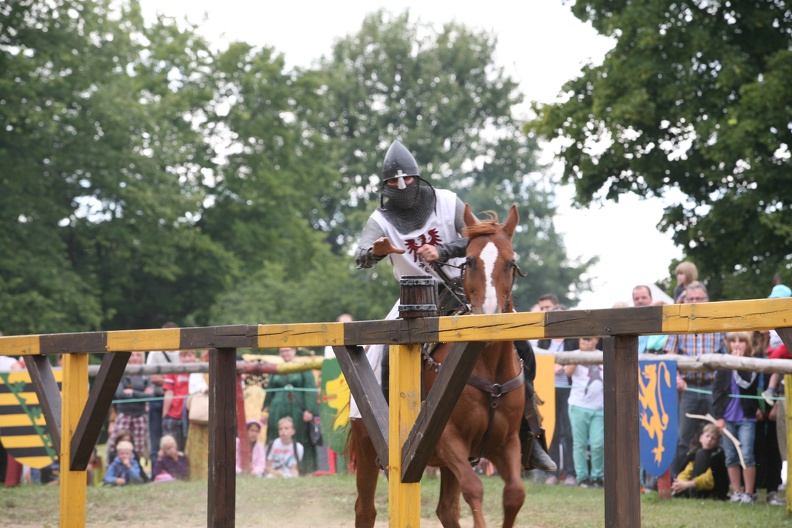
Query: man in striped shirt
[[695, 388]]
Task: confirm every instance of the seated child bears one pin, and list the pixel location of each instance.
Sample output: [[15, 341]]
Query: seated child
[[258, 459], [283, 453], [125, 436], [171, 464], [705, 469], [124, 469]]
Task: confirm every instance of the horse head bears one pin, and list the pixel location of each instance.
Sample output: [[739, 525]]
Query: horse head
[[490, 264]]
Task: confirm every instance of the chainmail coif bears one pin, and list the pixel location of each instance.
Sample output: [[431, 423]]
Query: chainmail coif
[[408, 209]]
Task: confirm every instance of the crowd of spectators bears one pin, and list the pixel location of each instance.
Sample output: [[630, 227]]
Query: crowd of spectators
[[745, 406], [153, 410]]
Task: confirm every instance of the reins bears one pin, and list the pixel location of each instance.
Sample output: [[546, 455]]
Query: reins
[[450, 286]]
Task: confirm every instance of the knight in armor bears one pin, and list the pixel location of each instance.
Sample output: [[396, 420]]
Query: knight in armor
[[413, 220], [415, 226]]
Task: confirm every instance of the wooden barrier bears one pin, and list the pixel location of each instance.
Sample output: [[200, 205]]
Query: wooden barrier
[[82, 410]]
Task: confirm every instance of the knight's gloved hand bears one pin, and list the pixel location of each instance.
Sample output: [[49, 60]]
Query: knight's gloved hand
[[383, 247], [429, 253]]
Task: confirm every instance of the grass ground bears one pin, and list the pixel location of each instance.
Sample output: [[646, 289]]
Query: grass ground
[[328, 502]]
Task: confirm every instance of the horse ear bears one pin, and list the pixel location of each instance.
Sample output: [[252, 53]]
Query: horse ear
[[511, 222], [470, 220]]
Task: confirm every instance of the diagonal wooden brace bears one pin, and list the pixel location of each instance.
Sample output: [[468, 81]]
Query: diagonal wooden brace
[[437, 408], [96, 408], [48, 395], [786, 336], [368, 395]]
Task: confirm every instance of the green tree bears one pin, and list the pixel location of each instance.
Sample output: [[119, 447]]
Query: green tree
[[266, 194], [103, 165], [694, 97], [272, 296], [440, 92]]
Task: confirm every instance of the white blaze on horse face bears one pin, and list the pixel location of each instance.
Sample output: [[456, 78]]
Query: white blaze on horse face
[[488, 256]]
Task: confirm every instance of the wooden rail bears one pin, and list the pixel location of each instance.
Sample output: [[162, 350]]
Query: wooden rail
[[82, 410]]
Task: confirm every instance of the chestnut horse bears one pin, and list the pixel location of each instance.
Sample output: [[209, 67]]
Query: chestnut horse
[[486, 419]]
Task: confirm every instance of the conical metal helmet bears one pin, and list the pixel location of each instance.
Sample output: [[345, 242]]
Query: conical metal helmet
[[399, 162]]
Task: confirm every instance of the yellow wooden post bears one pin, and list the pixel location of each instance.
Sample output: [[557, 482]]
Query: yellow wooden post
[[73, 484], [788, 418], [405, 403]]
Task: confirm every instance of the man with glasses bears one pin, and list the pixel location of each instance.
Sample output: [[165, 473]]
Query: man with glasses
[[695, 388]]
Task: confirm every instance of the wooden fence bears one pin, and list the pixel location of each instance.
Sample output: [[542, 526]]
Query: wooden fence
[[75, 420]]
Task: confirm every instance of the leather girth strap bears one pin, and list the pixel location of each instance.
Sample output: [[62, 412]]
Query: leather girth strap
[[495, 390]]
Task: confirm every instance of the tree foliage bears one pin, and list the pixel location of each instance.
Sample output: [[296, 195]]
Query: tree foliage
[[695, 96], [147, 177], [440, 92], [268, 190], [101, 168]]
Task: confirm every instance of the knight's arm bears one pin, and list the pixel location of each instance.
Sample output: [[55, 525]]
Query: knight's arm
[[455, 248], [364, 257]]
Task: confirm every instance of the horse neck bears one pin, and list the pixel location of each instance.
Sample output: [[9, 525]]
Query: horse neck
[[499, 362]]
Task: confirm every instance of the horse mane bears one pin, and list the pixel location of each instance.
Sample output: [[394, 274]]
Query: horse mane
[[489, 226]]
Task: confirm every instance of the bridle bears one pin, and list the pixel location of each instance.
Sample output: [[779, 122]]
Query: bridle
[[511, 263], [461, 297]]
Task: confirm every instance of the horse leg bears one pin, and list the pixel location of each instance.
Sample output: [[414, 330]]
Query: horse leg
[[448, 504], [509, 467], [366, 474], [469, 482], [473, 492]]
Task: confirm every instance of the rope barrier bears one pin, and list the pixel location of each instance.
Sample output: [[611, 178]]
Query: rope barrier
[[243, 367], [156, 398], [704, 391]]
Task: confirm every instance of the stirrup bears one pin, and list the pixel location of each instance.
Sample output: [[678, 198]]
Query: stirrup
[[541, 460]]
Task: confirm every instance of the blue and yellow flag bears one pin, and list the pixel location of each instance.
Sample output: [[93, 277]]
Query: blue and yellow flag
[[658, 430], [23, 431]]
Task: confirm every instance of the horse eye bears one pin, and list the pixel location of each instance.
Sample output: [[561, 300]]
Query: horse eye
[[470, 262]]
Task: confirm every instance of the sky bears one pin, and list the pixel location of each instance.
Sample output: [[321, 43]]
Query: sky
[[541, 45]]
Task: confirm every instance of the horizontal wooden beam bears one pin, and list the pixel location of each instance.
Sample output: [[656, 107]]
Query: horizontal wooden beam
[[301, 364], [199, 338], [763, 314], [731, 316]]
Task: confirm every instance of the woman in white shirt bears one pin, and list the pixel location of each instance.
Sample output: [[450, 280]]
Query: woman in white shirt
[[587, 418]]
